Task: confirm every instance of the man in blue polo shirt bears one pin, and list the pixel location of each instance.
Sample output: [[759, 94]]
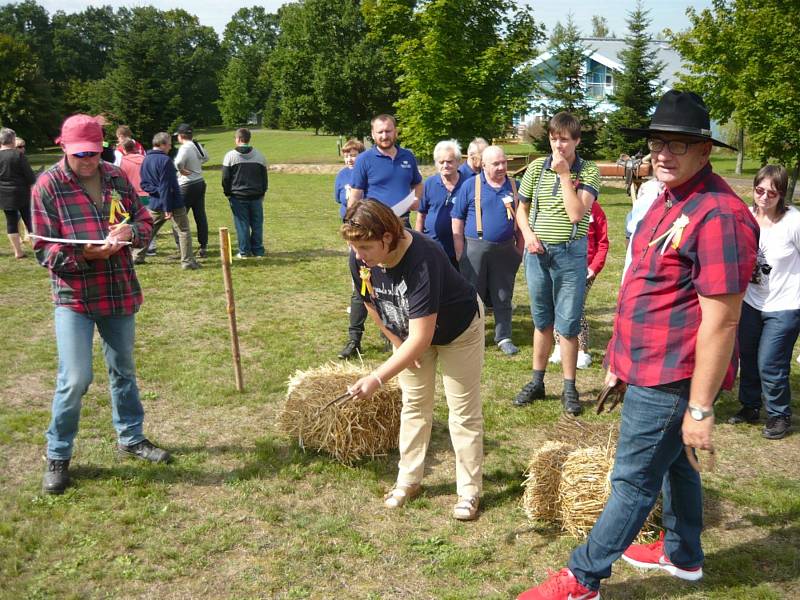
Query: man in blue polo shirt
[[486, 240], [387, 173], [472, 166], [438, 195]]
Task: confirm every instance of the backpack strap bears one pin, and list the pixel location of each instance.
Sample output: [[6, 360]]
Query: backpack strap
[[478, 214]]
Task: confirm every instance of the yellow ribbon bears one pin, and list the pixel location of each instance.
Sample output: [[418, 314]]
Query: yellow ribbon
[[366, 285], [117, 212]]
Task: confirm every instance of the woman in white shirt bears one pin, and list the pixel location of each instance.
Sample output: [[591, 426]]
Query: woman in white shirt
[[770, 319]]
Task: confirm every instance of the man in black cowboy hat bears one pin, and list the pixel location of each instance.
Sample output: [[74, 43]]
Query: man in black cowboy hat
[[673, 345]]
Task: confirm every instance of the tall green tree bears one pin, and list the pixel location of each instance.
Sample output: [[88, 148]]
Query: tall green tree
[[742, 57], [25, 101], [250, 37], [460, 76], [328, 72], [600, 27], [29, 22], [566, 90], [637, 87]]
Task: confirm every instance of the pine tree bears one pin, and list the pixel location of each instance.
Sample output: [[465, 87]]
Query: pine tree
[[567, 92], [636, 89]]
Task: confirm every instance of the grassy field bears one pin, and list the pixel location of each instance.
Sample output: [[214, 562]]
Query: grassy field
[[242, 512]]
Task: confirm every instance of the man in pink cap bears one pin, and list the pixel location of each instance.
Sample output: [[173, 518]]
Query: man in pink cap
[[82, 198]]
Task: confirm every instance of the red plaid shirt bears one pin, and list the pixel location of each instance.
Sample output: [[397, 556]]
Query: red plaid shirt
[[658, 310], [61, 208]]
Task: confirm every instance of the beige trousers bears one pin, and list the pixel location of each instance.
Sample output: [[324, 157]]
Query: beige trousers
[[461, 363]]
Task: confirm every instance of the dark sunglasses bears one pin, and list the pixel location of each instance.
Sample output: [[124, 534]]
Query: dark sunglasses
[[676, 147], [85, 154]]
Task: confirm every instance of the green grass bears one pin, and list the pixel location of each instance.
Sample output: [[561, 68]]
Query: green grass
[[244, 513]]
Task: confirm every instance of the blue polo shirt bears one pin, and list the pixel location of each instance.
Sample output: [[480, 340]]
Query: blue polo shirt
[[435, 204], [383, 178], [339, 190], [497, 227], [466, 170]]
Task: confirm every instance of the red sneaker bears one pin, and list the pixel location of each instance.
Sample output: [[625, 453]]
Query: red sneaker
[[559, 586], [651, 556]]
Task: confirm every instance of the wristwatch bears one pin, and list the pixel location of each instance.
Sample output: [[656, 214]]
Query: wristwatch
[[698, 414]]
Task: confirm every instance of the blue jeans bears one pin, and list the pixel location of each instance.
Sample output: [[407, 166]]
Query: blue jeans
[[557, 286], [650, 457], [248, 216], [766, 340], [74, 333]]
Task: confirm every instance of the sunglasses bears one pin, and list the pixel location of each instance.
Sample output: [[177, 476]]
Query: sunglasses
[[760, 191], [85, 154]]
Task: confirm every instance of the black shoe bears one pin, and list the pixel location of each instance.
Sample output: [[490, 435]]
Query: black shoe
[[144, 450], [202, 253], [351, 348], [56, 477], [530, 391], [745, 415], [777, 427], [571, 403]]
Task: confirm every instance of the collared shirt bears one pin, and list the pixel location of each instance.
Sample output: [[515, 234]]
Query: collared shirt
[[340, 189], [551, 223], [466, 170], [160, 181], [436, 203], [658, 309], [497, 226], [61, 208], [383, 178]]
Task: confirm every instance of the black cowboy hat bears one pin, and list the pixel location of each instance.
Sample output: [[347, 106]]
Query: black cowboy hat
[[680, 112]]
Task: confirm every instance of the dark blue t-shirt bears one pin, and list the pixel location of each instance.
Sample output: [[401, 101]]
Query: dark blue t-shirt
[[340, 191], [466, 170], [423, 283], [497, 226], [386, 179], [435, 204]]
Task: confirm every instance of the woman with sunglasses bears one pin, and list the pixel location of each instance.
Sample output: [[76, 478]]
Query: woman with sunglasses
[[429, 312], [770, 319]]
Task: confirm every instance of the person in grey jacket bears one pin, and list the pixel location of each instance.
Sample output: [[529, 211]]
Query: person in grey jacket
[[189, 162], [244, 182]]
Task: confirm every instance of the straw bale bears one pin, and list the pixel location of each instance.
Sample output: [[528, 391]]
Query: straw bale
[[542, 480], [584, 434], [585, 487], [348, 430]]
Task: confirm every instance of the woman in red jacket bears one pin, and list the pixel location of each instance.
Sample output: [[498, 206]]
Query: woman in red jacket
[[597, 238]]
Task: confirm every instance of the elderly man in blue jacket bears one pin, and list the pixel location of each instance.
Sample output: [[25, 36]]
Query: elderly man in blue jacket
[[160, 181]]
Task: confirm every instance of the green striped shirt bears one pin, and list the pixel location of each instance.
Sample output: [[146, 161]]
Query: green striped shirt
[[552, 223]]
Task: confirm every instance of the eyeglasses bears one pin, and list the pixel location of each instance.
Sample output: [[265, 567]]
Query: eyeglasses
[[85, 154], [760, 191], [676, 147]]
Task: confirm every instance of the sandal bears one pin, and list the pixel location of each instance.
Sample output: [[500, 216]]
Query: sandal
[[400, 494], [466, 509]]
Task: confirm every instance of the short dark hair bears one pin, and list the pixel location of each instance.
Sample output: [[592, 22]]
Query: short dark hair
[[383, 117], [243, 134], [780, 180], [368, 220], [129, 145], [565, 122]]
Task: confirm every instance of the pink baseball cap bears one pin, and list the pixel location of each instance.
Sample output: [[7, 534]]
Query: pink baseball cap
[[81, 133]]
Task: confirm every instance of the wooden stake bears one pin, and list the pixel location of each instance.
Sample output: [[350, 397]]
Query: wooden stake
[[225, 254]]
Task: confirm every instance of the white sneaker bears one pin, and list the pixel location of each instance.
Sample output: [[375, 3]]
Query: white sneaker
[[555, 358], [584, 360]]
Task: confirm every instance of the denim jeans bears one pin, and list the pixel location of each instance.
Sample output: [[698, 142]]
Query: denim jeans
[[74, 333], [650, 457], [766, 340], [248, 217], [557, 285]]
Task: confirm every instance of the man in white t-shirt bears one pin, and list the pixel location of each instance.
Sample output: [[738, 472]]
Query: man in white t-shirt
[[189, 160]]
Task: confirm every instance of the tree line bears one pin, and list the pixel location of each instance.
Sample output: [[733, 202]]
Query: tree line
[[445, 68]]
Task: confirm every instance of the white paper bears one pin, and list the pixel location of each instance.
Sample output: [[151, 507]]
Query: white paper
[[78, 242], [404, 205]]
